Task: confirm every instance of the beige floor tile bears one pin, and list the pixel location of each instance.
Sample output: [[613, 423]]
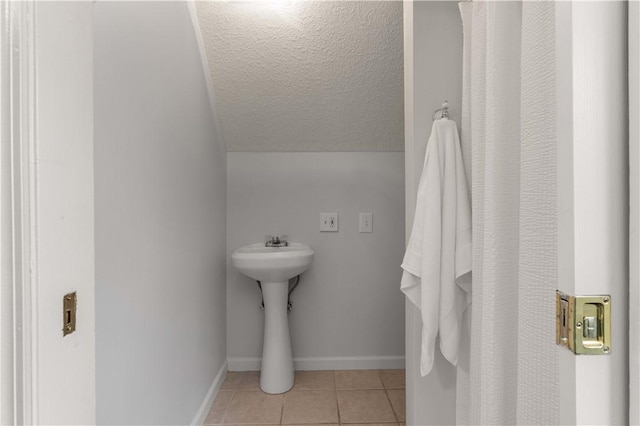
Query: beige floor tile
[[314, 380], [358, 379], [397, 398], [249, 381], [393, 379], [320, 424], [365, 406], [310, 406], [231, 381], [254, 407], [218, 408], [368, 424]]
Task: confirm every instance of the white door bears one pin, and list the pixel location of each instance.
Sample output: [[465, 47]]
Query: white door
[[593, 200], [47, 212]]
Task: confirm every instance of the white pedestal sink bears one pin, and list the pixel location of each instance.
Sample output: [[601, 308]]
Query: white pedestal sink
[[273, 267]]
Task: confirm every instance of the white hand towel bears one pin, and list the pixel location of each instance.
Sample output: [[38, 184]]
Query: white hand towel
[[437, 263]]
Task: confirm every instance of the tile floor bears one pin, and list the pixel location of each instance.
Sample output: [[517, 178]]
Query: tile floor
[[318, 398]]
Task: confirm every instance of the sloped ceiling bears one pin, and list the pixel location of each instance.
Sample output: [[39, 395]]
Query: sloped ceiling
[[306, 75]]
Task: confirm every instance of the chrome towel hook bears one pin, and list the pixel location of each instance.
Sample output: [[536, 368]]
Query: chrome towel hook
[[444, 111]]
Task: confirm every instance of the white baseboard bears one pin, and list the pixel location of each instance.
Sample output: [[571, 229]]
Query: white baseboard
[[211, 395], [244, 364], [329, 363], [350, 363]]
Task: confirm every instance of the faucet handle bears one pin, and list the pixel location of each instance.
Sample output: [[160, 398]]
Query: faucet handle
[[275, 241]]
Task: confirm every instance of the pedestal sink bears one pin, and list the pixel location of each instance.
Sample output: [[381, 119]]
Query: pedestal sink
[[273, 267]]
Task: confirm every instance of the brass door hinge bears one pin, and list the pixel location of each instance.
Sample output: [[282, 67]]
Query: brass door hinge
[[583, 323]]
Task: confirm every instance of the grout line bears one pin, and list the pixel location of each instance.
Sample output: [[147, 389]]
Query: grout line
[[335, 390], [335, 385], [338, 407], [384, 387], [392, 409], [226, 409], [282, 409]]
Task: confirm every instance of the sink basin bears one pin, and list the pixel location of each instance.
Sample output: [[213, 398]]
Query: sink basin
[[271, 264]]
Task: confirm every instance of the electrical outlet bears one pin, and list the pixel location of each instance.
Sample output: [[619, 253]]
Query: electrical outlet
[[366, 222], [328, 222]]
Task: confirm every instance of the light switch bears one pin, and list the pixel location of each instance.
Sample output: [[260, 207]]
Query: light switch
[[328, 222], [366, 222]]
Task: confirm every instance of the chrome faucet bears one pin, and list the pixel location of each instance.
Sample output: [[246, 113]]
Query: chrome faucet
[[276, 241]]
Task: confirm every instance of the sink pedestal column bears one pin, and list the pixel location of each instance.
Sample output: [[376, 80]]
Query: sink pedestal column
[[276, 374]]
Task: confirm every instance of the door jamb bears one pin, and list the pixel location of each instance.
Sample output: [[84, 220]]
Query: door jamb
[[634, 213], [18, 206]]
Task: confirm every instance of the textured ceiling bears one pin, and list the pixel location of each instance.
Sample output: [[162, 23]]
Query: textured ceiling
[[306, 75]]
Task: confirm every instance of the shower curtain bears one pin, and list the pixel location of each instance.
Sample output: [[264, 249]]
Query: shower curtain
[[509, 370]]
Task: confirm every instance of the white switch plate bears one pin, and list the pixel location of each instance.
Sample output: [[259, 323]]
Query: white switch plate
[[328, 222], [366, 222]]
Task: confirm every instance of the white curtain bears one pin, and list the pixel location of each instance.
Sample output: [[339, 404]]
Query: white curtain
[[509, 372]]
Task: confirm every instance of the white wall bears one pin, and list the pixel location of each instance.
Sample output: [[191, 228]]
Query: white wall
[[433, 73], [160, 218], [348, 309]]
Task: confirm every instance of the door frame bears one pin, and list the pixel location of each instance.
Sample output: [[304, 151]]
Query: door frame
[[46, 211], [18, 371], [593, 198], [634, 219]]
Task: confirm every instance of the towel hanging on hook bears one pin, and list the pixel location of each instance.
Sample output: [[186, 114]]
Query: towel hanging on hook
[[444, 111]]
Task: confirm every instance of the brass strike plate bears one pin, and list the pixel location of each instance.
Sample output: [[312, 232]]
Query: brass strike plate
[[583, 323], [69, 303]]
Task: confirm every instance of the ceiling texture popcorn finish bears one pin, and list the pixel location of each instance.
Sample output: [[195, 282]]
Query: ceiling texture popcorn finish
[[306, 75]]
